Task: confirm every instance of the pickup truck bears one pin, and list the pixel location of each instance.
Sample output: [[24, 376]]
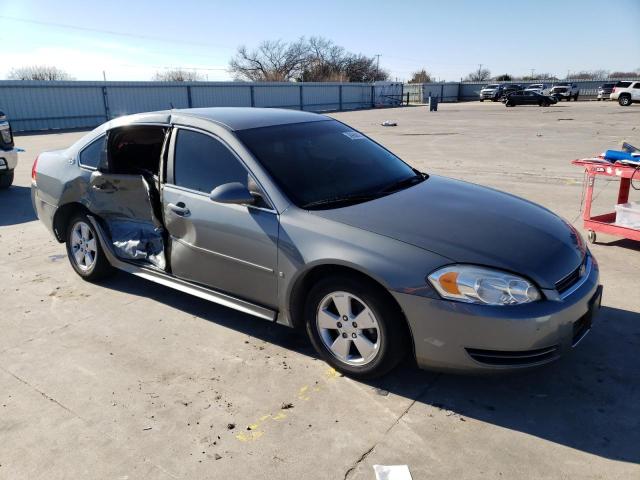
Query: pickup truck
[[565, 91], [626, 93], [8, 154], [541, 88], [496, 91]]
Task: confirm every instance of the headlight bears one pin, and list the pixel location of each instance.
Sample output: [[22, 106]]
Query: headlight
[[471, 284]]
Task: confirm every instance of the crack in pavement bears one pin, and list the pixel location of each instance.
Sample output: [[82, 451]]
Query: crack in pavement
[[396, 422], [84, 420]]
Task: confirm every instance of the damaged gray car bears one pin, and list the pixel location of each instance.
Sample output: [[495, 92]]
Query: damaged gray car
[[297, 218]]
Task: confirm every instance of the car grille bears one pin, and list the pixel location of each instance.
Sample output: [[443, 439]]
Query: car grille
[[513, 358], [559, 90], [567, 282]]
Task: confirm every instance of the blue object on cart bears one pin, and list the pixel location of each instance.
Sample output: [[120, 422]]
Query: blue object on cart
[[616, 155]]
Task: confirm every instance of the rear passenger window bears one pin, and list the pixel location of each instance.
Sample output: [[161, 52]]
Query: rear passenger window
[[91, 155], [202, 163]]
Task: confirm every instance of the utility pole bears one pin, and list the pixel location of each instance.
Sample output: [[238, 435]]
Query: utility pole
[[532, 70], [377, 55], [104, 75]]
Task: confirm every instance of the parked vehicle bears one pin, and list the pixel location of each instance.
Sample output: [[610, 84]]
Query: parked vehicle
[[565, 91], [267, 211], [497, 91], [8, 154], [626, 93], [604, 91], [529, 97], [542, 88]]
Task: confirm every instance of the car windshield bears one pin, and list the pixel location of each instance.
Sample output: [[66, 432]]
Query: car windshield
[[326, 164], [492, 86], [608, 85]]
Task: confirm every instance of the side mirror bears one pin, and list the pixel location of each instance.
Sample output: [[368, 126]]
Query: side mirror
[[234, 193]]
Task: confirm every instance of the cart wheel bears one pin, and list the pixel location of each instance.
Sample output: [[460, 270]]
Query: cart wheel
[[592, 236]]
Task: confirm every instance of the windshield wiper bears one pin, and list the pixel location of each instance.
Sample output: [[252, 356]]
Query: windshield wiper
[[344, 199], [405, 182]]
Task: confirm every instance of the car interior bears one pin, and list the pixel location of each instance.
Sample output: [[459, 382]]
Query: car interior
[[127, 194]]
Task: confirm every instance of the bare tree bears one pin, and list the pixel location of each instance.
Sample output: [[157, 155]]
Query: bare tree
[[588, 75], [178, 75], [38, 72], [620, 74], [421, 76], [479, 75], [538, 76], [324, 61], [272, 61], [505, 77], [316, 60], [360, 68]]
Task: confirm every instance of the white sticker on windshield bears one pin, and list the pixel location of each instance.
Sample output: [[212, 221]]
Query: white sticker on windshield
[[353, 135]]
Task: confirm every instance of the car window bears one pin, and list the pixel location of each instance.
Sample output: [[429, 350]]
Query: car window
[[637, 85], [91, 155], [623, 84], [318, 161], [203, 163]]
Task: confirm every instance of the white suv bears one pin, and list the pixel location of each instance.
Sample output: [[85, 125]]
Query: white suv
[[626, 93], [565, 90], [541, 88]]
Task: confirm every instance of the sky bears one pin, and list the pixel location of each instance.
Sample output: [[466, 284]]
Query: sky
[[131, 40]]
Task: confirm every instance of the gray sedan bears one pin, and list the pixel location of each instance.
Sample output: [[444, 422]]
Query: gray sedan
[[297, 218]]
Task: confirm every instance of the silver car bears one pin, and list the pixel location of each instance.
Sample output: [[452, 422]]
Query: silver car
[[297, 218]]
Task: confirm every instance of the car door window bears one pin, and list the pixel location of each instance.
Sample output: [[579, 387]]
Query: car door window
[[203, 163], [92, 154]]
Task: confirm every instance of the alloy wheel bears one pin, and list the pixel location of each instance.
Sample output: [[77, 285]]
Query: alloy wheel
[[348, 328], [83, 246]]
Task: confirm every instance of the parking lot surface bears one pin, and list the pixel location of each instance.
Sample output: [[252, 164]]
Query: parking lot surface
[[128, 379]]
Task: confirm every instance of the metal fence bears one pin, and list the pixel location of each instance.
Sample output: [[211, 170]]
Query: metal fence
[[34, 106]]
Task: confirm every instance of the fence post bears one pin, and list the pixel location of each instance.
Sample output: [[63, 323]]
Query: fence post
[[253, 96], [105, 101], [340, 97], [373, 96], [301, 99], [189, 102], [441, 91]]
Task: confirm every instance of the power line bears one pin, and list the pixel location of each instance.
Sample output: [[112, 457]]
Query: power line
[[111, 32]]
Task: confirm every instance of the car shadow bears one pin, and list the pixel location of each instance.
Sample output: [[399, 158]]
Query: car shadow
[[589, 400], [16, 206], [623, 243]]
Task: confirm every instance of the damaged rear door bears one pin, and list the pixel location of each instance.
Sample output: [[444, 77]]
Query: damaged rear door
[[232, 248]]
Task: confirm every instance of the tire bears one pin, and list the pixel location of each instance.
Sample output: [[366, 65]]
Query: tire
[[624, 100], [575, 99], [592, 236], [545, 104], [81, 236], [355, 351], [482, 99], [6, 180]]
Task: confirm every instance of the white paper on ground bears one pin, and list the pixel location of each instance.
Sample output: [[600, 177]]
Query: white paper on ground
[[392, 472]]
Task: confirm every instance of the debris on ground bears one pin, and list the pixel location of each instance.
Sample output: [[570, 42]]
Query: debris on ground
[[392, 472], [217, 456], [231, 426], [389, 123], [286, 406]]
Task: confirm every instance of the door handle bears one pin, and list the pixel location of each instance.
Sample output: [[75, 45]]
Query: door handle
[[179, 209]]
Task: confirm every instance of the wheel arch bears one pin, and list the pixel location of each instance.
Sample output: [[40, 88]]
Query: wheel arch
[[305, 281], [62, 217]]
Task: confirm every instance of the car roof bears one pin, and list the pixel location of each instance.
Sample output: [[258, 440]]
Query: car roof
[[244, 118]]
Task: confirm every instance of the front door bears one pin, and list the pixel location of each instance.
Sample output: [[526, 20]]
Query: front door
[[231, 248]]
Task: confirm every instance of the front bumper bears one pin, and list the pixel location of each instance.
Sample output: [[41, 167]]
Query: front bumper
[[8, 160], [488, 95], [465, 337]]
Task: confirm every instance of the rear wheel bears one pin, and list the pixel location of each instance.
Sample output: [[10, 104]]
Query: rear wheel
[[84, 250], [354, 327], [6, 179], [482, 99], [624, 100]]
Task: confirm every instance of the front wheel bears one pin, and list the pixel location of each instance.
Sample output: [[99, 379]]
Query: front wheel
[[624, 100], [84, 250], [482, 99], [354, 327], [6, 180]]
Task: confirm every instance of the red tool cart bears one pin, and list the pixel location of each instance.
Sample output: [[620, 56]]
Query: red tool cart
[[606, 223]]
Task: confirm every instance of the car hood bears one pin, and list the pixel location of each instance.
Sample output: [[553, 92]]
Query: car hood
[[468, 223]]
